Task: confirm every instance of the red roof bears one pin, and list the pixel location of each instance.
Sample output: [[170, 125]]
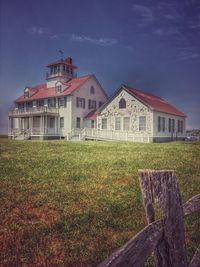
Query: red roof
[[91, 115], [41, 91], [154, 102], [67, 61]]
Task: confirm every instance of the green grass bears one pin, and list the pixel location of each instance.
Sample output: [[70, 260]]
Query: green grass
[[74, 203]]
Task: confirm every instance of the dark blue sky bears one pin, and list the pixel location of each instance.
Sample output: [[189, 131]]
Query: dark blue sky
[[152, 45]]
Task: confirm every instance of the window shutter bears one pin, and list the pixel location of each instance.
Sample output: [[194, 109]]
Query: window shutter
[[158, 123]]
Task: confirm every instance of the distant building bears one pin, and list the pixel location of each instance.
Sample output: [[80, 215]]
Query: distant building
[[78, 108]]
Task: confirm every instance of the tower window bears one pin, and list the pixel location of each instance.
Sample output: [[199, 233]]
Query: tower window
[[122, 103], [26, 92]]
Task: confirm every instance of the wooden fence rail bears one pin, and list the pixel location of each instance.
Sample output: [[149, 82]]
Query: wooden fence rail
[[164, 237]]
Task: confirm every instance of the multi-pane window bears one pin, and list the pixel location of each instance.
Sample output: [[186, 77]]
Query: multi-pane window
[[52, 122], [161, 124], [92, 90], [117, 123], [29, 104], [170, 125], [51, 102], [180, 126], [104, 123], [100, 104], [80, 102], [78, 122], [92, 124], [62, 102], [173, 125], [91, 104], [142, 123], [122, 103], [126, 123], [61, 122], [40, 103], [59, 89], [36, 122]]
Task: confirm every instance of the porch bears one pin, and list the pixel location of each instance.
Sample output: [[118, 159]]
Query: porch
[[33, 127]]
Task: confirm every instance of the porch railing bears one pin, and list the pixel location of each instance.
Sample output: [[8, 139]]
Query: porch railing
[[33, 110]]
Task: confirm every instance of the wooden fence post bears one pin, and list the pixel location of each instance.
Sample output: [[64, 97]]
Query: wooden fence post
[[160, 187]]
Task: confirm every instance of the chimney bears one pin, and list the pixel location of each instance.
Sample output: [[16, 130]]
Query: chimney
[[69, 60]]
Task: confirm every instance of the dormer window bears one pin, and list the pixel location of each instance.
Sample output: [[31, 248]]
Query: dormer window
[[58, 87], [122, 103], [92, 90], [26, 92]]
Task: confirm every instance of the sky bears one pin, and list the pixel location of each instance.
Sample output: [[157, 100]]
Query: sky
[[152, 45]]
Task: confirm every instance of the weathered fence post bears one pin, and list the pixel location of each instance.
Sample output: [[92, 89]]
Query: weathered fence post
[[160, 187]]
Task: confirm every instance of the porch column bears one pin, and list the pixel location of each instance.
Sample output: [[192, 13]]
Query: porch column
[[31, 124], [9, 125], [42, 125], [55, 126]]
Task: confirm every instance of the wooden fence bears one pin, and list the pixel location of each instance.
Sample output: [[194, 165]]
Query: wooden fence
[[164, 237]]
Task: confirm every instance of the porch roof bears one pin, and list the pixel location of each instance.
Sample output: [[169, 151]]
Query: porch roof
[[91, 115]]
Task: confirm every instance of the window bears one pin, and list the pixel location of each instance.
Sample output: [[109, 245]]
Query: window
[[62, 102], [36, 122], [26, 92], [142, 123], [100, 104], [58, 88], [104, 123], [161, 124], [92, 124], [126, 123], [80, 102], [62, 122], [52, 103], [92, 90], [179, 126], [173, 125], [91, 104], [51, 122], [118, 124], [78, 122], [122, 103], [170, 125], [40, 103], [29, 104]]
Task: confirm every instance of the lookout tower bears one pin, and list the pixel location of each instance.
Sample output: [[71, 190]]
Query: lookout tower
[[60, 70]]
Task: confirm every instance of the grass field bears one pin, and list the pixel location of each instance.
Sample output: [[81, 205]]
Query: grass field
[[73, 203]]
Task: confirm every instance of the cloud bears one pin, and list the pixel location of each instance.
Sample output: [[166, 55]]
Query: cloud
[[100, 41], [166, 31], [38, 30], [188, 55], [145, 13], [54, 36]]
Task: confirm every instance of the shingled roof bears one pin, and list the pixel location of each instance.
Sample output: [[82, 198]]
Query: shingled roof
[[41, 91], [149, 100], [154, 102]]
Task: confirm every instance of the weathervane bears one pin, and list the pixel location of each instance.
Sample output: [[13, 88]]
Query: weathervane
[[61, 53]]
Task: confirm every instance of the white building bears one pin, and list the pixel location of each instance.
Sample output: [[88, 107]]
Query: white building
[[78, 108], [131, 114], [58, 107]]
